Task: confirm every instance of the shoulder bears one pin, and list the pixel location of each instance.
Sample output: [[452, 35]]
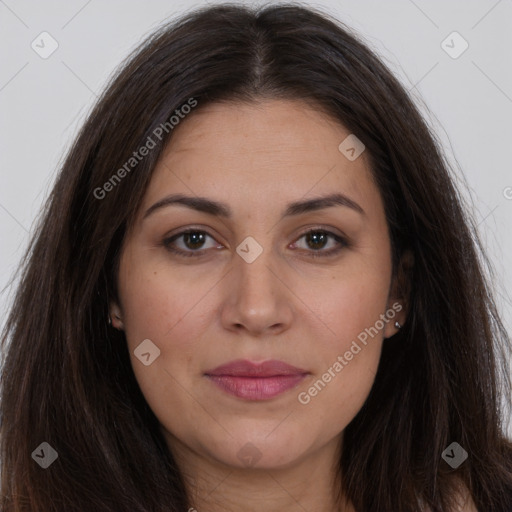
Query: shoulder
[[463, 501]]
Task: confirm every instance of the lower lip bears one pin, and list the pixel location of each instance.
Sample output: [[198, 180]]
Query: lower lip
[[256, 388]]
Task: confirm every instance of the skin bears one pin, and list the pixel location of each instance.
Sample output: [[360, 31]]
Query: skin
[[203, 311]]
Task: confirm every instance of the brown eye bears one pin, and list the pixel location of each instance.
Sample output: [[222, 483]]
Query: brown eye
[[193, 241], [318, 239]]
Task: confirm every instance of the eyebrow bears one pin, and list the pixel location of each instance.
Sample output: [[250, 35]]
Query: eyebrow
[[216, 208]]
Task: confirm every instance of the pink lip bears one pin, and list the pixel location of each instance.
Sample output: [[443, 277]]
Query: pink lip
[[256, 381]]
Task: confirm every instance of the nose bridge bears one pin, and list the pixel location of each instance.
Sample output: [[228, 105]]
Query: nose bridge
[[256, 297], [254, 267]]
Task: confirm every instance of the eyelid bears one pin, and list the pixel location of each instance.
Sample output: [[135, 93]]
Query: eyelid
[[327, 229]]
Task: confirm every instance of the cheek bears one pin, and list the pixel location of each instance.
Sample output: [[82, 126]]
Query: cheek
[[348, 356], [354, 319], [350, 301], [173, 309], [159, 304], [169, 311]]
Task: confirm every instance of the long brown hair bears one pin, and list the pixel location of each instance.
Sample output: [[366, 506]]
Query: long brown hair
[[67, 379]]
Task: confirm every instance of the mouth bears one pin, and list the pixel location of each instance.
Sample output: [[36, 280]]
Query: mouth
[[256, 381]]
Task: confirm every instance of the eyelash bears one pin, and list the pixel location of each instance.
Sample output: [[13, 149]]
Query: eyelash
[[343, 243]]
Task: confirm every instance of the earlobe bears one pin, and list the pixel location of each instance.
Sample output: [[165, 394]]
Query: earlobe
[[115, 318], [399, 299], [395, 319]]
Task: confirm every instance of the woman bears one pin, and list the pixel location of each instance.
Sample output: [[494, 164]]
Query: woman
[[254, 287]]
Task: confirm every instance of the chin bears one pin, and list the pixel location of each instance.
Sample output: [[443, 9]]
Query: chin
[[260, 451]]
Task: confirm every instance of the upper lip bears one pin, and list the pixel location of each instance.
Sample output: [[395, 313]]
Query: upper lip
[[244, 368]]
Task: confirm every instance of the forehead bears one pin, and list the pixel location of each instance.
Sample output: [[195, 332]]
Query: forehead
[[270, 152]]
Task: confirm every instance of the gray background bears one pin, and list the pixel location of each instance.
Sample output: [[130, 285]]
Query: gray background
[[469, 98]]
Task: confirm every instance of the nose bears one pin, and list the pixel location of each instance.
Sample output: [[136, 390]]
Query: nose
[[258, 299]]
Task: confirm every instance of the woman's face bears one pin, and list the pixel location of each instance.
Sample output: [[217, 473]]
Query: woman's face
[[249, 284]]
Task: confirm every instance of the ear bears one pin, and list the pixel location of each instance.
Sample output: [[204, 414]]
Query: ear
[[399, 296], [116, 315]]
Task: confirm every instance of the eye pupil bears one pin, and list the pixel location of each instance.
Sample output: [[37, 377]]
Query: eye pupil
[[318, 237], [196, 238]]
